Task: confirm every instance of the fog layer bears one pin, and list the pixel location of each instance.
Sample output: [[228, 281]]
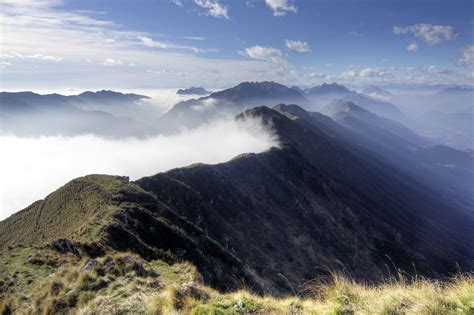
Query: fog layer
[[31, 168]]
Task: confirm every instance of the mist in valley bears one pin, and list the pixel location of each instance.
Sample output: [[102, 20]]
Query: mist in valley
[[51, 149]]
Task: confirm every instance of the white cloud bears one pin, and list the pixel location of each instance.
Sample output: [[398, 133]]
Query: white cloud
[[373, 72], [194, 38], [412, 47], [179, 3], [366, 73], [349, 74], [297, 45], [4, 64], [50, 162], [110, 40], [214, 8], [112, 62], [431, 34], [356, 33], [33, 56], [436, 69], [249, 4], [206, 104], [281, 7], [317, 75], [467, 56], [149, 42], [266, 53]]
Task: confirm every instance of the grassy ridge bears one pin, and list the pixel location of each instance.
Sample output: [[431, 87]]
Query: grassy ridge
[[77, 211], [42, 281]]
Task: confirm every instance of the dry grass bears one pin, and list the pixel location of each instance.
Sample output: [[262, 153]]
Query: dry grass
[[337, 296], [123, 283]]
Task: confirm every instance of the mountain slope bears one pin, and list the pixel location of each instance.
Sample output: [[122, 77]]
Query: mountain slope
[[321, 95], [450, 171], [380, 108], [340, 111], [271, 221], [100, 213]]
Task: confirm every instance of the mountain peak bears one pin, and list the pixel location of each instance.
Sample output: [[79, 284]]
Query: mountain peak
[[338, 106], [328, 88], [292, 109], [110, 93], [193, 91], [249, 94], [373, 90]]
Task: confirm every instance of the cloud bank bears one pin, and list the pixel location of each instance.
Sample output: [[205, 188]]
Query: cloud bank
[[31, 168]]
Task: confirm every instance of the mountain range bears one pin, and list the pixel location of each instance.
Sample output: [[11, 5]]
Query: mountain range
[[269, 221], [130, 115], [104, 113], [248, 94]]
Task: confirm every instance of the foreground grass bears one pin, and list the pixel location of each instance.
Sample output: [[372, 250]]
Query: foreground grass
[[36, 281], [340, 296]]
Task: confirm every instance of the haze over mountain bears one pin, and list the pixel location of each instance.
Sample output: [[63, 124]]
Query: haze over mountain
[[444, 114], [407, 151], [105, 113], [377, 93], [321, 95]]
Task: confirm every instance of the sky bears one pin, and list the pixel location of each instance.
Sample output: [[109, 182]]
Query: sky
[[145, 44]]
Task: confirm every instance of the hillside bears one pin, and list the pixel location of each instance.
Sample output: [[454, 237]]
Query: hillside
[[314, 202], [99, 213]]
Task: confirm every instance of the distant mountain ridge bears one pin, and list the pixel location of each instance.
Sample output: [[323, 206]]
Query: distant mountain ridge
[[457, 89], [372, 89], [404, 148], [323, 94], [46, 101], [193, 91], [229, 102], [102, 113], [325, 88]]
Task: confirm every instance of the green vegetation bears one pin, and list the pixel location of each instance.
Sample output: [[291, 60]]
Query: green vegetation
[[77, 211], [43, 281]]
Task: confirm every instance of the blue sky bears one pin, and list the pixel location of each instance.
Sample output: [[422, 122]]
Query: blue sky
[[218, 43]]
